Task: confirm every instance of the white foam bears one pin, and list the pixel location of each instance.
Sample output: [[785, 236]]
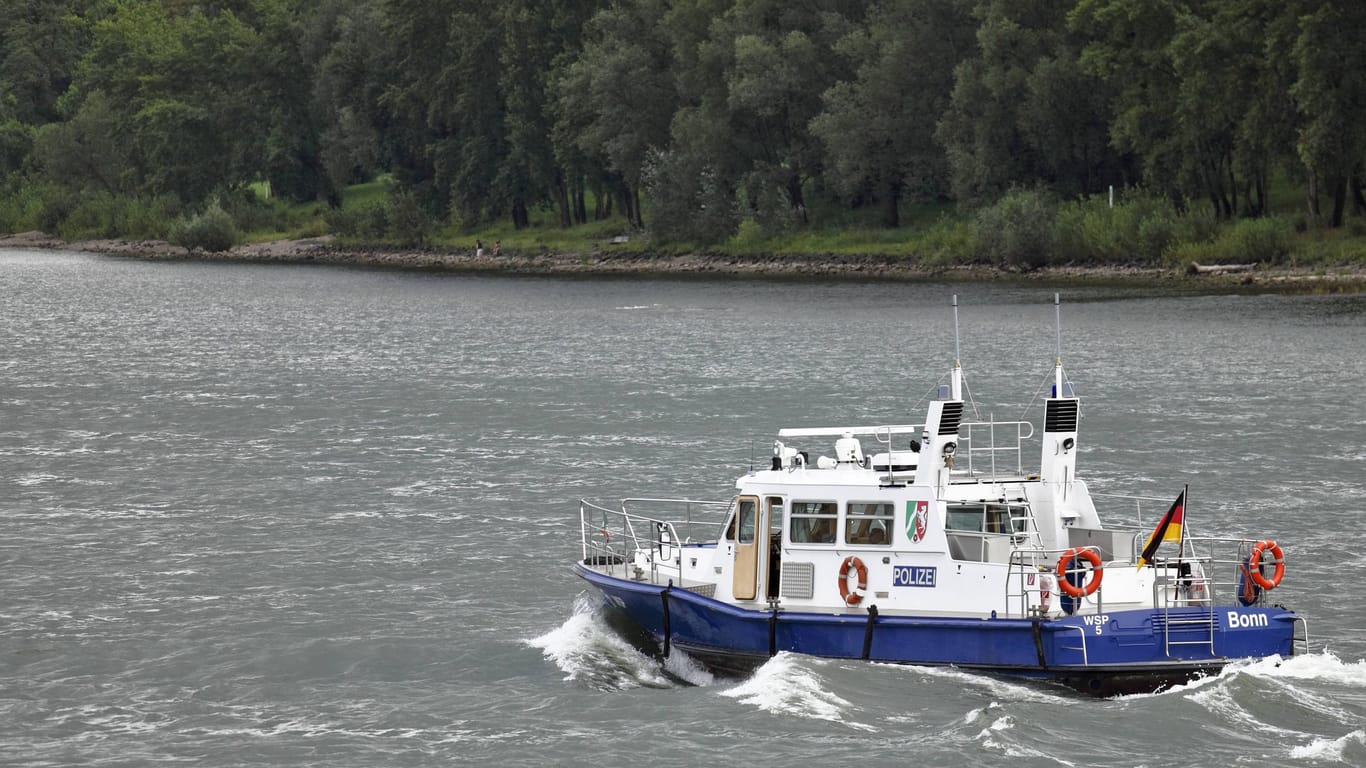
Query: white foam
[[686, 668], [591, 653], [1328, 749], [1002, 723], [1323, 666], [996, 735], [784, 685], [1000, 687]]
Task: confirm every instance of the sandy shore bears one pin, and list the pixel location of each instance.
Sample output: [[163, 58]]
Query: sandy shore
[[624, 260]]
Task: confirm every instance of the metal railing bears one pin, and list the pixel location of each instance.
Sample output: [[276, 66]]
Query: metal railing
[[987, 451], [612, 538]]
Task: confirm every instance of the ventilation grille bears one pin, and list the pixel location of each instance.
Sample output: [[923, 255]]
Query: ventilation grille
[[799, 580], [1061, 416], [952, 414], [708, 590]]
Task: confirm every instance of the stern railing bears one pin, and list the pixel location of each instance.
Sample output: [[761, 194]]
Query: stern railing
[[659, 528]]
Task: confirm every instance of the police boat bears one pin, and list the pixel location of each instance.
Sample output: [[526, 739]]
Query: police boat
[[932, 544]]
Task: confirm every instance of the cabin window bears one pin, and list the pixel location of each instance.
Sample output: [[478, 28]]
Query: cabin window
[[746, 516], [998, 519], [868, 523], [775, 515], [986, 518], [966, 517], [813, 522]]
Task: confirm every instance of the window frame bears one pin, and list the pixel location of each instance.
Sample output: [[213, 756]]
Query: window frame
[[810, 519]]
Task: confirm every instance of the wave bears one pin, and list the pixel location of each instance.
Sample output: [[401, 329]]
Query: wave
[[591, 652], [790, 685], [1324, 749], [1323, 666]]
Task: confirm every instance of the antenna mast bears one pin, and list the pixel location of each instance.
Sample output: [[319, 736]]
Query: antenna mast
[[956, 376], [1057, 363]]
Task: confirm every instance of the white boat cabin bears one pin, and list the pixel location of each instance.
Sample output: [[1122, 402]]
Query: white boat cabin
[[939, 519]]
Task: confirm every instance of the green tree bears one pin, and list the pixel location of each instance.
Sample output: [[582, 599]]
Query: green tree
[[878, 128], [89, 151], [41, 42], [1024, 110], [1331, 93], [348, 52], [1184, 75], [444, 125], [197, 99], [617, 98], [751, 86]]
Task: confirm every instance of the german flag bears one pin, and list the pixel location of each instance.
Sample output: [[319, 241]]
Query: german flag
[[1168, 529]]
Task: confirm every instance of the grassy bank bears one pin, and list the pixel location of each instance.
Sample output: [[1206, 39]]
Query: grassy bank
[[1025, 231]]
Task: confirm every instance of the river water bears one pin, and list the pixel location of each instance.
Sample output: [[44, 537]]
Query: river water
[[307, 516]]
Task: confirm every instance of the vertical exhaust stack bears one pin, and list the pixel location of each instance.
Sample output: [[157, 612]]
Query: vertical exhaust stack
[[1058, 462], [939, 441]]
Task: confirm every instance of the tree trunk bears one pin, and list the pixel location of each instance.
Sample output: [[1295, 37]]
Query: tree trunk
[[1339, 187], [635, 209], [1233, 190], [520, 218], [605, 200], [1358, 197], [562, 202], [1312, 193], [794, 196], [580, 206], [891, 200]]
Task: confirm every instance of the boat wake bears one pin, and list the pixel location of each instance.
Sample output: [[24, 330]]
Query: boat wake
[[1239, 695], [787, 685], [1323, 666], [1335, 750], [593, 652]]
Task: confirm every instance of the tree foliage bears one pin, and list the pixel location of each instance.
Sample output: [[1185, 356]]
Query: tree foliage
[[684, 117]]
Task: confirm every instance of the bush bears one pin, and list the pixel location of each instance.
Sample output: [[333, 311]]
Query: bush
[[16, 142], [1265, 241], [688, 200], [367, 222], [769, 205], [1140, 229], [1262, 241], [105, 215], [409, 224], [947, 242], [213, 230], [1017, 232], [250, 212], [22, 205], [401, 219]]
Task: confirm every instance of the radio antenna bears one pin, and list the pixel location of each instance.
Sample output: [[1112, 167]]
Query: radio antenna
[[1057, 362], [956, 377]]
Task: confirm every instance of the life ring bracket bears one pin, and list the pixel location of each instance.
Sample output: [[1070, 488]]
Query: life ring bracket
[[853, 596], [1097, 569]]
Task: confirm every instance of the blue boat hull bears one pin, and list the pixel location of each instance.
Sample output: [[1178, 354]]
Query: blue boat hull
[[1114, 653]]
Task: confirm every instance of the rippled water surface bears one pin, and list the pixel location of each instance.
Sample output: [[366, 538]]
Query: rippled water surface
[[278, 515]]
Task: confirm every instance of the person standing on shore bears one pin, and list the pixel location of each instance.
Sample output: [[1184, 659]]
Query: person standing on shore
[[497, 248], [478, 249]]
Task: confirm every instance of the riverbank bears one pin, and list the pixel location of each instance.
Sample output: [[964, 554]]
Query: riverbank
[[628, 260]]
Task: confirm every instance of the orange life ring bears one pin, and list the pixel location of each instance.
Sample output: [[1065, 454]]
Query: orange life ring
[[1255, 561], [854, 596], [1097, 572]]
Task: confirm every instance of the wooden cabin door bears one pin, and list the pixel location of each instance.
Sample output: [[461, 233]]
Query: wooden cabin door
[[747, 546]]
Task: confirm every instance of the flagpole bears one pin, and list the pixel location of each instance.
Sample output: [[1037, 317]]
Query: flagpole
[[1186, 494]]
